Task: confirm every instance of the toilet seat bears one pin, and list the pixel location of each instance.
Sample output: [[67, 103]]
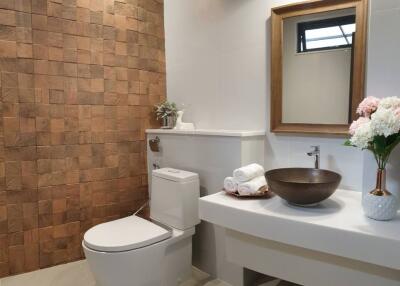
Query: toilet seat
[[124, 234]]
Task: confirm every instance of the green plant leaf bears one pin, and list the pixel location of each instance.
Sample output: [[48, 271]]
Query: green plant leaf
[[348, 143], [393, 142], [379, 144], [165, 109], [392, 139]]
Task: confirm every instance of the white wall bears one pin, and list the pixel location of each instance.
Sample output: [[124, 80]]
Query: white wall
[[213, 158], [217, 61], [218, 64], [383, 76], [328, 97]]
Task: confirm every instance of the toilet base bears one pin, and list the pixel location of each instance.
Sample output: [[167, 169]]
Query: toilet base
[[136, 267], [166, 263], [177, 264]]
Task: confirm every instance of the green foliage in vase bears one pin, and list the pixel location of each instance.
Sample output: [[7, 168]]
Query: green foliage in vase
[[165, 109]]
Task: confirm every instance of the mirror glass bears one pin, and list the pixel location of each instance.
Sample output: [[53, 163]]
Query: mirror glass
[[317, 64]]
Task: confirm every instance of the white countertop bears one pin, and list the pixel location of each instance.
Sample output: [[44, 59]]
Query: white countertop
[[209, 132], [337, 226]]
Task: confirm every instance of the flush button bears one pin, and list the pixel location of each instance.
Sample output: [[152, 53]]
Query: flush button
[[173, 171]]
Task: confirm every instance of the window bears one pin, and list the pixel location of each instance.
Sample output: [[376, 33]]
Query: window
[[326, 34]]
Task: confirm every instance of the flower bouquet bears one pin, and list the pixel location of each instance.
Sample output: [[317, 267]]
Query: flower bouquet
[[378, 130]]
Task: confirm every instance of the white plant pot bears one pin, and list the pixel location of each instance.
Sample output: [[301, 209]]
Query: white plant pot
[[380, 207]]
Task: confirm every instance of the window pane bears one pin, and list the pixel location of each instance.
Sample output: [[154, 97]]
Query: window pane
[[326, 43], [349, 29], [350, 39], [323, 33]]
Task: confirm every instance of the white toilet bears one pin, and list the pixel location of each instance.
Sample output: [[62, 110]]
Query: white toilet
[[136, 252]]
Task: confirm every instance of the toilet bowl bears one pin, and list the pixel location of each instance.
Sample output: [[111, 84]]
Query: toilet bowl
[[133, 251]]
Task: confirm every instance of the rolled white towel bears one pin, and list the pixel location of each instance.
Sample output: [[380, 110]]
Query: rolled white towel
[[252, 187], [230, 184], [248, 172]]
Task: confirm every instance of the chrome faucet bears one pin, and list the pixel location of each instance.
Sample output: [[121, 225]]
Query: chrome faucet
[[316, 153]]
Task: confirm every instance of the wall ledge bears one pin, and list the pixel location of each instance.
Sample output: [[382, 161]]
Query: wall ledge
[[210, 132]]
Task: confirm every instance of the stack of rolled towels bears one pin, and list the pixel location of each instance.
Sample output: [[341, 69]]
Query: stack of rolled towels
[[247, 181]]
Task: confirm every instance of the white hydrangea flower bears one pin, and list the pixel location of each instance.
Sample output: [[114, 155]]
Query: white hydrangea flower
[[385, 122], [389, 103], [362, 136]]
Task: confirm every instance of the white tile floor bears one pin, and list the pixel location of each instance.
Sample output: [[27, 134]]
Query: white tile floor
[[78, 274], [75, 273]]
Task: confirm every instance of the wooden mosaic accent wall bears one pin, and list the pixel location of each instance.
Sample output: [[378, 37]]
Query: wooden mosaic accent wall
[[78, 79]]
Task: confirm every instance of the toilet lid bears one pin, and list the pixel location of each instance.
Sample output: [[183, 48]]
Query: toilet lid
[[124, 234]]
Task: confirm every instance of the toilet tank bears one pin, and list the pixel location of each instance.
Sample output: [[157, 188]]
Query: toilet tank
[[175, 198]]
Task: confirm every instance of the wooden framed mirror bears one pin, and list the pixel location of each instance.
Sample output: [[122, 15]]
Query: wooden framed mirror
[[317, 65]]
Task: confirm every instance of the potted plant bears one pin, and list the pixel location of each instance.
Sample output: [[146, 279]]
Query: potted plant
[[166, 111], [378, 130]]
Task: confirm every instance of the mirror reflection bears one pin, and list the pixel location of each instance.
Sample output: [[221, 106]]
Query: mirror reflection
[[317, 67]]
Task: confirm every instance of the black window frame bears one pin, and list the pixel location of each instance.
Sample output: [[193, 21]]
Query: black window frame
[[302, 27]]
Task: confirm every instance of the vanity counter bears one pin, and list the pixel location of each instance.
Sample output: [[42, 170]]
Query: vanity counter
[[337, 226]]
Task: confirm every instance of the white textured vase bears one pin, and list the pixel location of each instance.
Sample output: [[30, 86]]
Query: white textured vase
[[380, 207], [380, 204]]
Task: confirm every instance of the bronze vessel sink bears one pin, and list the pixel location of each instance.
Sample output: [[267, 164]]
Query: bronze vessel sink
[[303, 186]]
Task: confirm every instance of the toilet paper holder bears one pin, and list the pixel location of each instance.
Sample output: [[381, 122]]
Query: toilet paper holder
[[155, 144]]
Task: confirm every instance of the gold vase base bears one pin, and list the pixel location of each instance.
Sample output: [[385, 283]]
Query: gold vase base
[[380, 189], [380, 193]]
